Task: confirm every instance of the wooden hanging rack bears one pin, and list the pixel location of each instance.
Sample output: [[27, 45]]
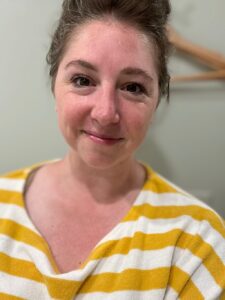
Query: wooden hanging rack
[[212, 59]]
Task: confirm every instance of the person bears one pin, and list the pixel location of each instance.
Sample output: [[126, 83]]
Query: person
[[98, 224]]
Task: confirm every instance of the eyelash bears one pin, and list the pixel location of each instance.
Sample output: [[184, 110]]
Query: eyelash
[[80, 76], [142, 89]]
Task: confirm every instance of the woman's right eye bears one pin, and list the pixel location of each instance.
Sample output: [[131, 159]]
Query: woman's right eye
[[81, 81]]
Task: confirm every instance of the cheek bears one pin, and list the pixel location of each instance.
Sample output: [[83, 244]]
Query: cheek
[[71, 118], [138, 120], [140, 129], [69, 110]]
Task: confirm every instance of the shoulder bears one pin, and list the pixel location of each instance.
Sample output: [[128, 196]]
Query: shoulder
[[173, 202], [196, 233], [175, 206], [13, 217], [12, 184]]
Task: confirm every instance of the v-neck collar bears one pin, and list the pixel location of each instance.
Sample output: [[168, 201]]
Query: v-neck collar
[[47, 251]]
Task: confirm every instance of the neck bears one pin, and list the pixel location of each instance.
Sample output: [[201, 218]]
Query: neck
[[105, 185]]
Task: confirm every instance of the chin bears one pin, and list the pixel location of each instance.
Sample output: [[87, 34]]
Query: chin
[[101, 157], [102, 161]]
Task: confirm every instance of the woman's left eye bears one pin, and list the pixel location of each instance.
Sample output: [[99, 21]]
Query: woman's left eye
[[134, 88]]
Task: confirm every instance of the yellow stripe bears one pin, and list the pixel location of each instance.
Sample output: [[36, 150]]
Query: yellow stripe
[[155, 184], [222, 296], [142, 280], [62, 289], [132, 279], [19, 267], [58, 288], [4, 296], [180, 281], [140, 241], [168, 212], [183, 285], [10, 197], [23, 234], [217, 269], [151, 241], [177, 238]]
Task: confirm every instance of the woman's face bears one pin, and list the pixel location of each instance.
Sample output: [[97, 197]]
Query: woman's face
[[106, 92]]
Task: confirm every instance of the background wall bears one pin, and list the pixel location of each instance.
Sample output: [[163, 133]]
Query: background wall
[[186, 143]]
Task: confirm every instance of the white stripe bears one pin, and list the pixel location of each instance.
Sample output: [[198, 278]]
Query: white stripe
[[200, 203], [20, 250], [136, 259], [24, 251], [169, 199], [129, 295], [153, 226], [149, 260], [156, 226], [127, 229], [142, 260], [115, 263], [208, 288], [145, 260], [170, 294], [17, 214], [21, 287], [13, 185], [200, 276]]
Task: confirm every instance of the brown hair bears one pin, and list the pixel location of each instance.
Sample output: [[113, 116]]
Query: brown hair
[[148, 16]]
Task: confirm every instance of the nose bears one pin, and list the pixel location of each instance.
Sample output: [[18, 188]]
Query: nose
[[105, 109]]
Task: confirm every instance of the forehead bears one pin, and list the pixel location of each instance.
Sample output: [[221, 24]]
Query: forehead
[[111, 42]]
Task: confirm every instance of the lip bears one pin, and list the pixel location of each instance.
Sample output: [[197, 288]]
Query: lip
[[102, 138]]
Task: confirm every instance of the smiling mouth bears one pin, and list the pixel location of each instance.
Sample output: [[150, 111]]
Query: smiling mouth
[[102, 138]]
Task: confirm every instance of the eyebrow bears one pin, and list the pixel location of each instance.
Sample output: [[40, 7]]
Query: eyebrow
[[82, 63], [126, 71], [136, 71]]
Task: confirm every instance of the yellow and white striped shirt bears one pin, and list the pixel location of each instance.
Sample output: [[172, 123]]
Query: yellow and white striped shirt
[[168, 246]]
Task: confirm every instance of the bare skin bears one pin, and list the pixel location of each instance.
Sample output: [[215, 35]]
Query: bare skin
[[73, 218]]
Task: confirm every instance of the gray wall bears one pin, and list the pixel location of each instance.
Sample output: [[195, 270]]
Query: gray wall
[[186, 142]]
